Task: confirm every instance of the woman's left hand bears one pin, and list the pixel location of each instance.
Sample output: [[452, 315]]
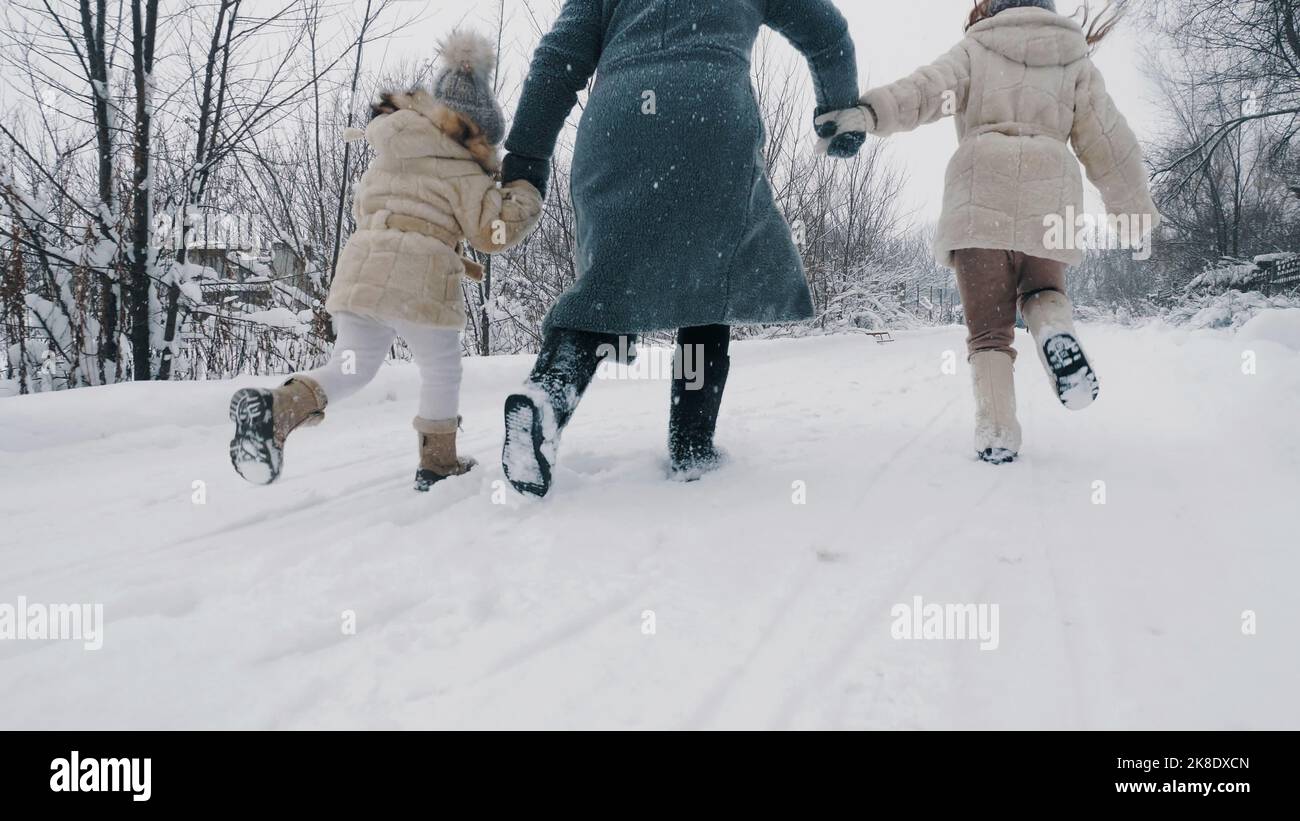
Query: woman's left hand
[[843, 132]]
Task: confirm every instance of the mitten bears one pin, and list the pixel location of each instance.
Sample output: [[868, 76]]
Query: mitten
[[530, 169], [843, 132]]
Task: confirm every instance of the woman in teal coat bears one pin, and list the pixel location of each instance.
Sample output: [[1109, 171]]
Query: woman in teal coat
[[677, 228]]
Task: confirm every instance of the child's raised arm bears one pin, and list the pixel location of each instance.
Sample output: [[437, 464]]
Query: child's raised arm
[[929, 94], [1109, 150], [565, 60]]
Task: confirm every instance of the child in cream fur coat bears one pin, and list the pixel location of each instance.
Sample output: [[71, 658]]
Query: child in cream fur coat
[[1023, 90], [431, 186]]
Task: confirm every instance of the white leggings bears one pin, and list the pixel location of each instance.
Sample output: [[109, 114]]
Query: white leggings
[[362, 346]]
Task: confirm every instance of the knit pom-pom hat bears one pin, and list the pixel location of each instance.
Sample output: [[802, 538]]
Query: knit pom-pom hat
[[464, 83]]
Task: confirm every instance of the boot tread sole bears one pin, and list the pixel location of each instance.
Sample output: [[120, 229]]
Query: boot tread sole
[[253, 451], [1076, 382], [525, 439]]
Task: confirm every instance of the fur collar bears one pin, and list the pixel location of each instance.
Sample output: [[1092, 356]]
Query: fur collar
[[458, 128]]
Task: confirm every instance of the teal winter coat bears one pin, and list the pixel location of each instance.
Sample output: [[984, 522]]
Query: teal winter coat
[[676, 221]]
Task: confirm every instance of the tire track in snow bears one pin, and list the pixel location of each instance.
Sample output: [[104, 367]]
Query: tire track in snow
[[181, 523], [566, 632], [713, 702], [1068, 644], [284, 517], [927, 431], [873, 612]]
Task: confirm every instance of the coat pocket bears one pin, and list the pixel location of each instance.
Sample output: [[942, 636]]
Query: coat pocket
[[450, 288]]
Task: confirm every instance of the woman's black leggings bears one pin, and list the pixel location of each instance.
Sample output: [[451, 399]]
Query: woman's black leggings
[[568, 361], [714, 342]]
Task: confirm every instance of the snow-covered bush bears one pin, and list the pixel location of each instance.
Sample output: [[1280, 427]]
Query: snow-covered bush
[[1280, 326], [1233, 274], [1229, 310]]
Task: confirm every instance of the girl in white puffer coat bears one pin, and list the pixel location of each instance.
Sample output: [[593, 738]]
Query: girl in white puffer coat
[[1023, 90], [431, 186]]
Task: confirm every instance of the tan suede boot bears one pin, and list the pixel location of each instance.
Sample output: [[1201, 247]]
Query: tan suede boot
[[263, 421], [438, 459], [997, 431], [1050, 318]]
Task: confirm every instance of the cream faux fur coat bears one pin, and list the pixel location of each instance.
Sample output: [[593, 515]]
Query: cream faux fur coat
[[430, 186], [1022, 89]]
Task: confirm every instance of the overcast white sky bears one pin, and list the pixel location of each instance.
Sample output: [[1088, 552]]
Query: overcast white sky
[[894, 37]]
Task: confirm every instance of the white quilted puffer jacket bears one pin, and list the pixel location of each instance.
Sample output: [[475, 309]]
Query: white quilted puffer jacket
[[1022, 89], [424, 193]]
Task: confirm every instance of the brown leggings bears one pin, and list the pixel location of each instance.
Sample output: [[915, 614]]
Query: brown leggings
[[993, 284]]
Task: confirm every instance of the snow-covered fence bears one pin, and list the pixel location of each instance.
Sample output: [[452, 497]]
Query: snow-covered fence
[[1281, 273], [1166, 295], [937, 305], [1269, 274]]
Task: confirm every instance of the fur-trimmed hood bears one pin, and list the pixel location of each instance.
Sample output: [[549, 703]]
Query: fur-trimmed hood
[[1032, 36], [413, 124]]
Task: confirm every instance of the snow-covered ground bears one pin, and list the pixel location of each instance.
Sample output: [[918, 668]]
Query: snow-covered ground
[[474, 608]]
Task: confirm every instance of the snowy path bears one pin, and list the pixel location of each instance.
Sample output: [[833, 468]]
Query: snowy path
[[476, 613]]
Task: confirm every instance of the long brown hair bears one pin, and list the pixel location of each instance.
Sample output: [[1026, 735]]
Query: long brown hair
[[1094, 31]]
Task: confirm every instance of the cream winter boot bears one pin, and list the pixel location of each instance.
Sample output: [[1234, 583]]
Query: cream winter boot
[[1050, 318], [438, 459], [997, 432], [263, 421]]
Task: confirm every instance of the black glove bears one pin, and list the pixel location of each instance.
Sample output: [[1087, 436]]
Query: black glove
[[532, 170]]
